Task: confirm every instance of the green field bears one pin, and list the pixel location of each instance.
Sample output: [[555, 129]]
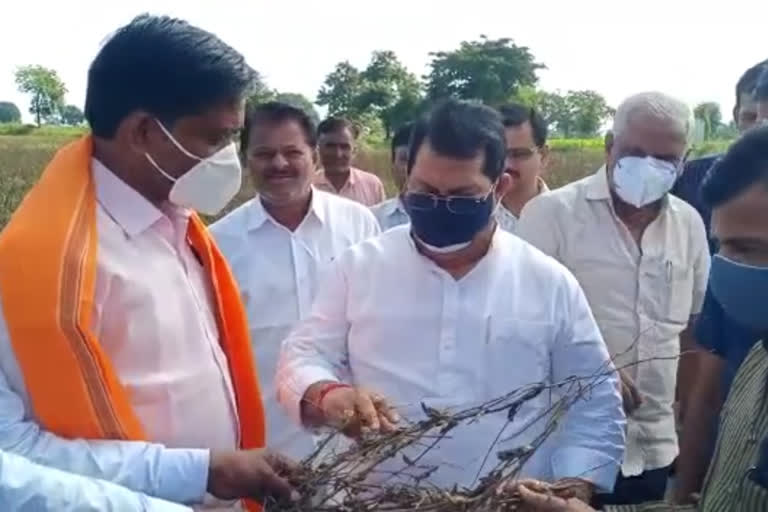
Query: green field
[[23, 157]]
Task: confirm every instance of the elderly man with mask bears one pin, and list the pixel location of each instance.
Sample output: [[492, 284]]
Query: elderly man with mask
[[641, 256], [737, 190], [452, 311]]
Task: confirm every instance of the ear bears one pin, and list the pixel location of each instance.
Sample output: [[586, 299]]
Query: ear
[[315, 157], [136, 131], [544, 152]]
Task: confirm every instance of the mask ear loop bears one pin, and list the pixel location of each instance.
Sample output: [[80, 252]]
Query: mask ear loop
[[177, 143]]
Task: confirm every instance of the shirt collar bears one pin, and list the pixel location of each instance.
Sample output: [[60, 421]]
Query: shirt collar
[[259, 215], [597, 186], [121, 202], [321, 178], [393, 206]]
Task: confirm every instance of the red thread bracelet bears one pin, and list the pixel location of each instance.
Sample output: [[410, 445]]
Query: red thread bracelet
[[328, 388]]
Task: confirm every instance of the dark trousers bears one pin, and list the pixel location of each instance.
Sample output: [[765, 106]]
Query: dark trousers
[[648, 486]]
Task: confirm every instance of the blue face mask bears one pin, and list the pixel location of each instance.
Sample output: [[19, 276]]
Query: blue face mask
[[447, 224], [742, 291]]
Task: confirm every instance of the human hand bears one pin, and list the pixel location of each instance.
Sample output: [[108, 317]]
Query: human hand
[[629, 393], [356, 411], [540, 497], [259, 475]]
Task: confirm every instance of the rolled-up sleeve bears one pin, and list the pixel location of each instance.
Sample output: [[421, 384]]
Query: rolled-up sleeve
[[591, 441], [178, 475], [29, 487], [317, 349]]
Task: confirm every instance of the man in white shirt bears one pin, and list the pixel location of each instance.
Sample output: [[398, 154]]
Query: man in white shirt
[[642, 257], [29, 487], [527, 157], [451, 311], [391, 213], [278, 243], [124, 350]]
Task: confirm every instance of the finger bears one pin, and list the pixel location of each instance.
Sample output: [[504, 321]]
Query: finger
[[386, 425], [540, 501], [366, 411], [383, 406], [277, 488], [637, 398], [282, 465]]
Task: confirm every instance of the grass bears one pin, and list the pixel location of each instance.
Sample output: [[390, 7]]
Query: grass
[[24, 152]]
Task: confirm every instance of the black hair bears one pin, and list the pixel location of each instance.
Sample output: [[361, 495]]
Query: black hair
[[515, 114], [462, 129], [402, 137], [277, 112], [164, 66], [761, 85], [744, 164], [748, 82], [337, 124]]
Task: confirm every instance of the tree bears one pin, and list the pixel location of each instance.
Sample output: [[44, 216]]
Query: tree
[[588, 110], [709, 113], [299, 101], [341, 90], [72, 115], [46, 88], [491, 70], [388, 90], [9, 112]]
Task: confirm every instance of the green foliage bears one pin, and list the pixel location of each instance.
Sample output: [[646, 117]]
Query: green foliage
[[72, 115], [260, 92], [340, 91], [574, 114], [46, 88], [710, 115], [299, 101], [50, 131], [9, 112], [491, 70]]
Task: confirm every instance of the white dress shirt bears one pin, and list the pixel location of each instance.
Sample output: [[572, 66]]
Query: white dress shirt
[[642, 296], [389, 319], [277, 271], [508, 220], [152, 314], [390, 213], [29, 487]]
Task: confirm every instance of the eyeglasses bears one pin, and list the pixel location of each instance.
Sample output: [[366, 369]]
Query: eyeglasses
[[460, 205], [521, 153]]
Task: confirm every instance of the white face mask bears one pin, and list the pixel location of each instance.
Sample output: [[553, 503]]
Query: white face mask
[[640, 181], [210, 184]]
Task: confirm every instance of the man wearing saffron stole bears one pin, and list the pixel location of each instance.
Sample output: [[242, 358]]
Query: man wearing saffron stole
[[124, 346]]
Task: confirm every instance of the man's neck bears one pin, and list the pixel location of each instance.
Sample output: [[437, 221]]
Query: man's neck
[[290, 215], [106, 153], [516, 199], [636, 219], [461, 262], [338, 179]]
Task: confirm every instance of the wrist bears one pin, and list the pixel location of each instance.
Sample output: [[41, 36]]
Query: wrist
[[219, 473], [312, 414]]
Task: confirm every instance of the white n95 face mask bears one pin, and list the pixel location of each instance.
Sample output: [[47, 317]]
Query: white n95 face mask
[[210, 184], [640, 181]]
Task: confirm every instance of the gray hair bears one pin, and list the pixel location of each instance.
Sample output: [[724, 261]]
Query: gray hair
[[657, 105]]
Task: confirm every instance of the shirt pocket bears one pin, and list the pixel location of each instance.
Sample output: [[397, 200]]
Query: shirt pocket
[[517, 354], [670, 286]]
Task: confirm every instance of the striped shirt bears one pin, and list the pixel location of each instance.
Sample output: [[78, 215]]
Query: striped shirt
[[729, 485]]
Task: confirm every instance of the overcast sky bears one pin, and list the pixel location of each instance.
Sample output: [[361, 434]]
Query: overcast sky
[[695, 50]]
